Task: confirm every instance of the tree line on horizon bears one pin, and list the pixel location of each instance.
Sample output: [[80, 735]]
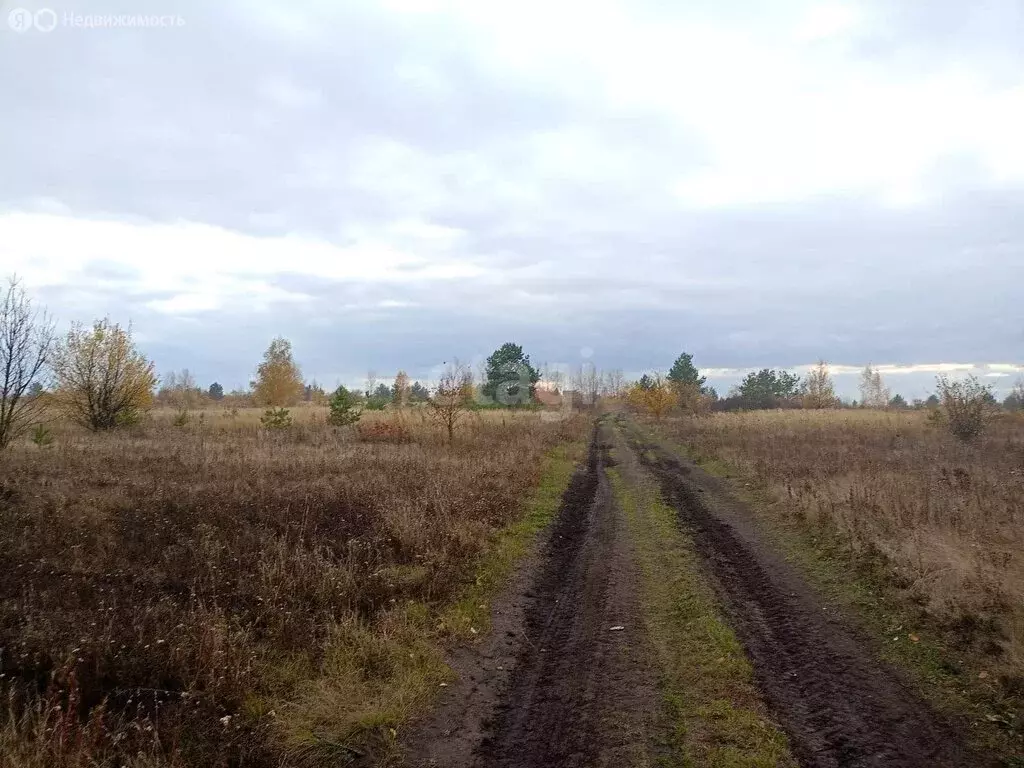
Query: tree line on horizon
[[96, 376]]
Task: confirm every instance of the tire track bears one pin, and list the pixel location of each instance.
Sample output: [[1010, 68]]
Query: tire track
[[581, 694], [839, 705]]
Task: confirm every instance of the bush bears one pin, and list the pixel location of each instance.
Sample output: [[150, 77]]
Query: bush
[[276, 418], [128, 417], [103, 380], [966, 406], [41, 436], [343, 408]]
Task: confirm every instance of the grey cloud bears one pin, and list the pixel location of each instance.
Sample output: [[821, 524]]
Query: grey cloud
[[184, 124]]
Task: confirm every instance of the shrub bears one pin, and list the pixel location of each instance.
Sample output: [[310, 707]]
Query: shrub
[[343, 408], [966, 406], [128, 417], [276, 418], [655, 395], [103, 380], [41, 436], [181, 418]]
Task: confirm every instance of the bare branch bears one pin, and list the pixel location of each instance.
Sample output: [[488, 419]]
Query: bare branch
[[26, 345]]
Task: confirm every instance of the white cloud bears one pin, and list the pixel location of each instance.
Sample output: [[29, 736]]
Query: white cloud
[[206, 268], [285, 93], [772, 181], [825, 21], [785, 107]]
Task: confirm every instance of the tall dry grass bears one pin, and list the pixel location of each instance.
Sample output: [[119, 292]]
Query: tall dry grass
[[220, 594], [947, 518]]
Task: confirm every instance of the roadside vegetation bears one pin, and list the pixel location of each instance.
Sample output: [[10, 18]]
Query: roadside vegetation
[[918, 531], [227, 594], [261, 577]]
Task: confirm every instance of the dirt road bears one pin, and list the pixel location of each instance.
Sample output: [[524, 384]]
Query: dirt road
[[582, 689]]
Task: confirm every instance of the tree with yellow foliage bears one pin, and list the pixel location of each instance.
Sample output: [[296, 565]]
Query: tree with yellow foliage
[[102, 380], [654, 395], [278, 379], [400, 392], [818, 391]]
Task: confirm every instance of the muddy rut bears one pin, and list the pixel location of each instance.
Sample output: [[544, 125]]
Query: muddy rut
[[581, 691], [838, 704], [556, 686]]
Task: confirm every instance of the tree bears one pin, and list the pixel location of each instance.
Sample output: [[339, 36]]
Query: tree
[[343, 408], [898, 403], [276, 418], [216, 391], [966, 405], [768, 388], [586, 382], [278, 379], [818, 390], [103, 381], [687, 383], [314, 393], [655, 396], [179, 390], [452, 397], [614, 382], [377, 399], [27, 339], [873, 392], [418, 393], [683, 372], [553, 377], [509, 377], [400, 390], [1015, 400]]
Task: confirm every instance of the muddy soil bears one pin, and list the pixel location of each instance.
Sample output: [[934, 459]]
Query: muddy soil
[[582, 691], [839, 705], [555, 685]]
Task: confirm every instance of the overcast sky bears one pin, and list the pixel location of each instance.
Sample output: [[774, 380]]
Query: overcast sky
[[395, 184]]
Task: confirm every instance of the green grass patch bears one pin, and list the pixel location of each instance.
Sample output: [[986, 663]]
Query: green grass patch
[[714, 713]]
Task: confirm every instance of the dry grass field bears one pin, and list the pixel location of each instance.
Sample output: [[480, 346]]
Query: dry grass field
[[947, 518], [221, 594]]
